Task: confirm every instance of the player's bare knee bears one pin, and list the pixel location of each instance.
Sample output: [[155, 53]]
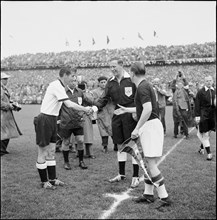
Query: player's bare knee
[[42, 154], [80, 140]]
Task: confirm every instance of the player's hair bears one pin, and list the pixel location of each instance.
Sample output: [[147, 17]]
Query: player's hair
[[67, 71], [119, 61], [102, 78], [138, 68]]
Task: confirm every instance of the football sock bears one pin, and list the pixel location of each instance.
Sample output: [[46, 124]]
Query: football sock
[[135, 170], [87, 148], [201, 146], [208, 150], [122, 167], [149, 187], [66, 156], [80, 155], [161, 190], [51, 168], [42, 170]]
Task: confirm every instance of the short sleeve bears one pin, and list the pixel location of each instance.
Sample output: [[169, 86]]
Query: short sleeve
[[59, 91], [144, 94]]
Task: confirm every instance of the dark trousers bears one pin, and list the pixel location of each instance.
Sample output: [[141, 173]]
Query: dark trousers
[[184, 115], [104, 141], [162, 112], [4, 145]]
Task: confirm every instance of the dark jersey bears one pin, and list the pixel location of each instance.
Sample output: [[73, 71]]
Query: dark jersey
[[122, 93], [145, 93]]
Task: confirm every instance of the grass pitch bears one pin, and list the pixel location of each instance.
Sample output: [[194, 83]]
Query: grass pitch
[[190, 180]]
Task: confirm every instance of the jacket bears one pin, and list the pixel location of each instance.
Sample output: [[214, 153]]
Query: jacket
[[119, 93], [9, 127]]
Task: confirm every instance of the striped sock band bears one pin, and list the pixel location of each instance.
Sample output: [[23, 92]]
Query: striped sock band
[[51, 168], [161, 190], [159, 180]]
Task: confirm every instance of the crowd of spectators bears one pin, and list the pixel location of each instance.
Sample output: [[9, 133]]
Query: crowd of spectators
[[28, 86], [152, 55]]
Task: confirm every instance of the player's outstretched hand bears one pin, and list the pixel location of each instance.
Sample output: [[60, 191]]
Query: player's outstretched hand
[[89, 110], [120, 110]]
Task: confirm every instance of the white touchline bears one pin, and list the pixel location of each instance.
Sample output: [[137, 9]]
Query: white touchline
[[124, 195], [172, 148]]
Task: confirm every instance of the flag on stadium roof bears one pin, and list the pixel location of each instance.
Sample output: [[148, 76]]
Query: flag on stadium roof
[[93, 41], [140, 36], [108, 39], [79, 43], [67, 43], [155, 33]]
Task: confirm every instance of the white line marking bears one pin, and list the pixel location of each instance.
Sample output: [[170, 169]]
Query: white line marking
[[118, 200], [124, 195], [172, 148]]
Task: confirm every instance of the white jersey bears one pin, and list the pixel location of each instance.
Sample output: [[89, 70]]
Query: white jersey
[[53, 99]]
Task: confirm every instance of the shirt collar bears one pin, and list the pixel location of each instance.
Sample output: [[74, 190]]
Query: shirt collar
[[72, 90], [206, 88], [61, 82], [126, 75]]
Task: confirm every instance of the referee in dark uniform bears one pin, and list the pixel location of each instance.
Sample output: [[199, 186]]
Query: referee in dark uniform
[[121, 90]]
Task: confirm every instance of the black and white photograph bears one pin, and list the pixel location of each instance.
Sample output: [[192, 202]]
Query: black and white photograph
[[108, 110]]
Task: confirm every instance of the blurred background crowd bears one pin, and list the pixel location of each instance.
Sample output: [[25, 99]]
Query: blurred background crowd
[[152, 55], [31, 73]]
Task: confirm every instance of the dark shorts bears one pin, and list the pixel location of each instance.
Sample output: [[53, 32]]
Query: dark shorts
[[122, 127], [66, 133], [45, 129]]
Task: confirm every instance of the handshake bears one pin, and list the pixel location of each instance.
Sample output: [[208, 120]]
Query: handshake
[[16, 106], [91, 110]]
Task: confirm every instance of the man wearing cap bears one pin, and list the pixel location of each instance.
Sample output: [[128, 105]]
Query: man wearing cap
[[105, 115], [46, 127], [9, 127]]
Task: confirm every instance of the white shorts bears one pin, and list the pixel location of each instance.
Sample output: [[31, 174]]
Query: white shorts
[[152, 138]]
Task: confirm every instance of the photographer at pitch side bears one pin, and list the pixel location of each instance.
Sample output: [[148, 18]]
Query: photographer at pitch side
[[9, 127]]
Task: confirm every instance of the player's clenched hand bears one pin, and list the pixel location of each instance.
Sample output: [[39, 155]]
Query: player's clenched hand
[[88, 110], [135, 133], [197, 120]]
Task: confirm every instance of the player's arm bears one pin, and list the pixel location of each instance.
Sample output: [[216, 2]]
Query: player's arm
[[74, 105], [146, 112], [103, 100], [123, 110]]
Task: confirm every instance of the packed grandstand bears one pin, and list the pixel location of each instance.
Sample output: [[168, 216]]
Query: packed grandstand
[[31, 73]]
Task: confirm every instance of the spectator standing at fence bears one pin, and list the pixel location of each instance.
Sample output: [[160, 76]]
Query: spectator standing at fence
[[161, 95], [179, 77], [46, 127], [104, 117], [9, 127], [181, 109], [121, 90], [205, 115]]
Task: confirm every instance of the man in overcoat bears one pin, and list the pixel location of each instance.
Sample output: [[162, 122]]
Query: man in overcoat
[[9, 127]]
